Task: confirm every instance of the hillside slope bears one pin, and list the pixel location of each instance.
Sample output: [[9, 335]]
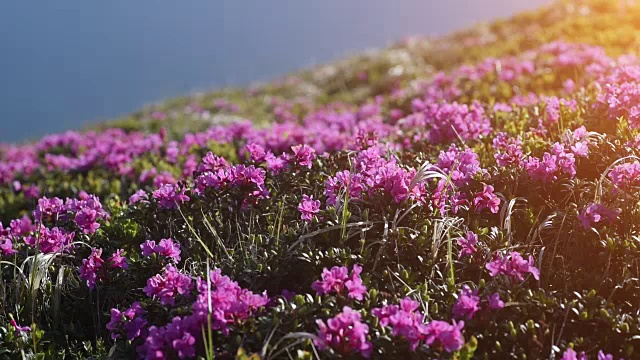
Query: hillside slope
[[470, 196]]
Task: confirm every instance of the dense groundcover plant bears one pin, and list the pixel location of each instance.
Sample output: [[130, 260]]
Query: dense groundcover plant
[[478, 201]]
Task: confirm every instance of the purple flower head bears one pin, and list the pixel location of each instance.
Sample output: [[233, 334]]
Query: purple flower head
[[138, 196], [225, 300], [21, 227], [31, 192], [449, 336], [48, 209], [86, 220], [334, 281], [185, 346], [130, 320], [513, 266], [625, 176], [147, 175], [169, 196], [50, 240], [405, 320], [603, 356], [117, 260], [166, 248], [163, 178], [468, 244], [353, 183], [509, 150], [6, 246], [570, 354], [308, 208], [148, 247], [487, 200], [275, 164], [90, 267], [304, 155], [345, 334], [460, 165], [597, 214], [495, 302], [168, 285], [256, 152], [211, 162], [467, 304]]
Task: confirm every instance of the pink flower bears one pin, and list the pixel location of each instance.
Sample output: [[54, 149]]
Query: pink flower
[[467, 303], [6, 246], [90, 267], [597, 214], [185, 346], [404, 321], [509, 150], [570, 354], [345, 334], [513, 266], [304, 155], [487, 200], [275, 164], [603, 356], [308, 208], [50, 240], [625, 176], [256, 152], [129, 320], [495, 302], [447, 335], [337, 279], [86, 220], [468, 244], [169, 196], [167, 286], [138, 196], [166, 248], [117, 260]]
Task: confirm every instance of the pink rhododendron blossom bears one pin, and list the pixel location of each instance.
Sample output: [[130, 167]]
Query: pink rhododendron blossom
[[486, 199], [468, 244], [90, 268], [308, 208], [513, 265], [345, 334], [467, 304], [338, 279]]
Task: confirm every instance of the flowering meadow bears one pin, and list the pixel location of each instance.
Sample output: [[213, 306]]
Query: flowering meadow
[[469, 196]]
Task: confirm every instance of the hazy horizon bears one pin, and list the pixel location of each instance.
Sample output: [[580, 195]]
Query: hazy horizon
[[67, 64]]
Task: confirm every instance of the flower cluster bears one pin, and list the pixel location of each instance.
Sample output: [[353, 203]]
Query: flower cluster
[[220, 303], [130, 321], [467, 303], [337, 280], [308, 208], [597, 214], [170, 196], [345, 334], [468, 244], [166, 248], [513, 265], [85, 211], [90, 268], [166, 286]]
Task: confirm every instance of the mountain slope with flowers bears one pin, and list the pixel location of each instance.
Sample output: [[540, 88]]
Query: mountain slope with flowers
[[470, 196]]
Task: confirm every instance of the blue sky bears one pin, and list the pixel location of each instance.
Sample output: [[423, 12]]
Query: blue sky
[[66, 63]]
